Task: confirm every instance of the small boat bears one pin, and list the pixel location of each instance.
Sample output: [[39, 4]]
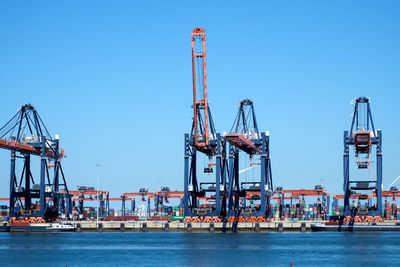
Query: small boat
[[61, 227]]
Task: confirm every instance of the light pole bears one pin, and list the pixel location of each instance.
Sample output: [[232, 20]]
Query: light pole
[[97, 192]]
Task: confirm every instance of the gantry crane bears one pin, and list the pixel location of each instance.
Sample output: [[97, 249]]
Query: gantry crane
[[84, 194], [204, 139], [363, 137], [318, 191], [245, 136], [143, 193], [26, 135], [163, 196]]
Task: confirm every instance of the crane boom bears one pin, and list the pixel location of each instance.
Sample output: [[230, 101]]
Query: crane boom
[[203, 127]]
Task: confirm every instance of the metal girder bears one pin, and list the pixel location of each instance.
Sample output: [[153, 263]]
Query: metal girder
[[243, 143]]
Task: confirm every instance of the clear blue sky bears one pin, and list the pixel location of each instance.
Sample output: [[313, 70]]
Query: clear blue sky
[[113, 79]]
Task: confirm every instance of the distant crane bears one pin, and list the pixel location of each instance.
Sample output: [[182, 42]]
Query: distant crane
[[204, 139], [85, 193], [25, 135], [299, 194], [143, 194]]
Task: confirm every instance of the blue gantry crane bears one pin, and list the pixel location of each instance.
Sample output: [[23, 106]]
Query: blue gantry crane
[[25, 135], [363, 137], [245, 137], [203, 139]]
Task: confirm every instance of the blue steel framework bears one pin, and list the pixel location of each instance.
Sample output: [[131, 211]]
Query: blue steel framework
[[203, 139], [29, 136], [245, 137], [362, 136], [193, 190]]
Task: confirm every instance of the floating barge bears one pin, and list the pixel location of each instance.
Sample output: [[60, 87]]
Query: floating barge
[[36, 227], [356, 227]]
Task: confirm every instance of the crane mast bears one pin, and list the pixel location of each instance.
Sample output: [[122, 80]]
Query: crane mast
[[203, 127]]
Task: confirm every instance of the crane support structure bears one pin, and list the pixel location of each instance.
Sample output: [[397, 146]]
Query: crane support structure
[[245, 137], [25, 135], [203, 139], [363, 137]]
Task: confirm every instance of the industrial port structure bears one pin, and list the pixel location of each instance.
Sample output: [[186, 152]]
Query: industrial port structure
[[363, 137], [224, 197], [26, 135]]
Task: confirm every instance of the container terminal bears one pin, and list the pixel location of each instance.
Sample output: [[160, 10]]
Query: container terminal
[[215, 197]]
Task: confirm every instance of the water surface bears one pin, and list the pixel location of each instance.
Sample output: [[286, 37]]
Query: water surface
[[200, 249]]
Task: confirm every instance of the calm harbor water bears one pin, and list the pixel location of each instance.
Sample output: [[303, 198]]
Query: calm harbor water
[[199, 249]]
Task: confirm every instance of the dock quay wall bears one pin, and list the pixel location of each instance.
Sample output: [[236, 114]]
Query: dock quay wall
[[164, 226]]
